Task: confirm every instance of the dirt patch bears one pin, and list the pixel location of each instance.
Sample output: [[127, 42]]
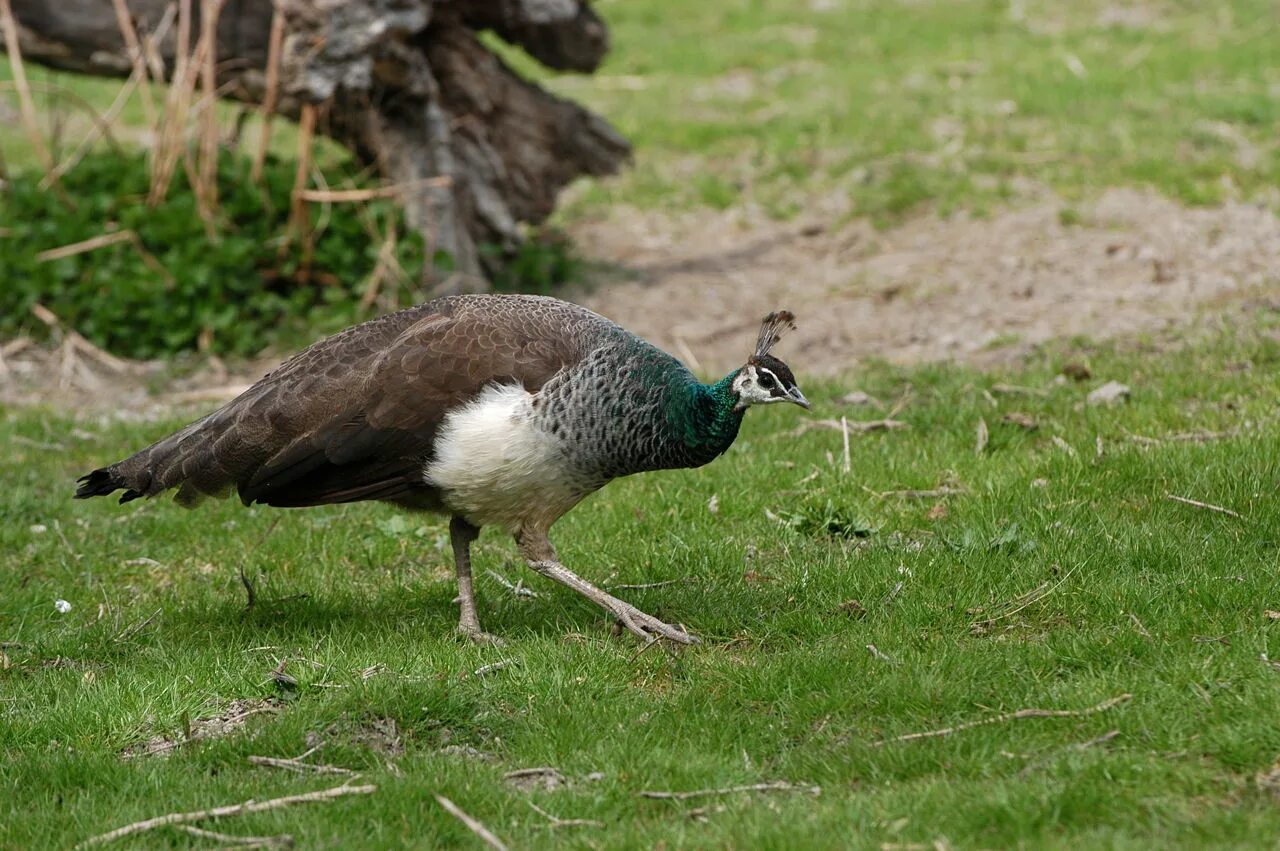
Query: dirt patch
[[963, 289], [974, 290], [380, 735], [234, 716]]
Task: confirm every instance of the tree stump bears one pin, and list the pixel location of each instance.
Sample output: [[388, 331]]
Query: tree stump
[[407, 85]]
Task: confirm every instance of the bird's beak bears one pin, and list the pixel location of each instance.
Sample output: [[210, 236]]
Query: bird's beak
[[794, 395]]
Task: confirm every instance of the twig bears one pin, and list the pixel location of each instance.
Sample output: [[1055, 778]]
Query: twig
[[299, 219], [297, 766], [223, 812], [25, 102], [642, 585], [859, 427], [1137, 624], [875, 651], [776, 786], [1198, 504], [1020, 602], [981, 435], [846, 465], [282, 841], [1009, 716], [893, 593], [104, 240], [137, 627], [1078, 746], [518, 590], [935, 493], [494, 666], [274, 43], [207, 183], [124, 22], [392, 191], [556, 821], [474, 826]]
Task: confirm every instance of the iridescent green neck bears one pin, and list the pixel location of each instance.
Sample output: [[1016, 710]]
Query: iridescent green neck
[[708, 420]]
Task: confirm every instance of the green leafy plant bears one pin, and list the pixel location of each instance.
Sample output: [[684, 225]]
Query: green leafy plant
[[166, 284]]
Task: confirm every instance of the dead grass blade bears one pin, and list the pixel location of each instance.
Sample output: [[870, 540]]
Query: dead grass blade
[[1207, 506], [775, 786], [25, 103], [104, 240], [486, 835], [859, 427], [1008, 716], [275, 42], [226, 811]]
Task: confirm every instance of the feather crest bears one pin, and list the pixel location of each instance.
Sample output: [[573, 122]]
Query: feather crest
[[771, 329]]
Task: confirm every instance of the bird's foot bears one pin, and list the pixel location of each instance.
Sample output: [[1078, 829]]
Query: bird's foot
[[647, 626], [476, 635]]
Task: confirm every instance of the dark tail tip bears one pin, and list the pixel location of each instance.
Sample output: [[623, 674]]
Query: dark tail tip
[[102, 482]]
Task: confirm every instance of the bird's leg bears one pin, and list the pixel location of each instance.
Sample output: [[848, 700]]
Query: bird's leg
[[541, 556], [461, 534]]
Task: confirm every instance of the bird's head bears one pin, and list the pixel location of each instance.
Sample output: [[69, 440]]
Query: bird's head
[[764, 379]]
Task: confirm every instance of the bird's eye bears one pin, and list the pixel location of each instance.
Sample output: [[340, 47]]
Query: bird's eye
[[766, 381]]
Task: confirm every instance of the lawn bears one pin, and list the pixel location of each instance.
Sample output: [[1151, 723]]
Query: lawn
[[896, 106], [1056, 572]]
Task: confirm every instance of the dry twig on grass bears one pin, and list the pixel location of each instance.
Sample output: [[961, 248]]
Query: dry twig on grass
[[642, 585], [1198, 504], [877, 653], [137, 627], [981, 435], [284, 840], [472, 825], [518, 589], [1078, 746], [775, 786], [297, 765], [556, 821], [935, 493], [843, 424], [224, 812], [1009, 716], [494, 667]]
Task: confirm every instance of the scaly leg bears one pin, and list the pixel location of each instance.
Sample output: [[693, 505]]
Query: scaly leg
[[537, 550], [461, 534]]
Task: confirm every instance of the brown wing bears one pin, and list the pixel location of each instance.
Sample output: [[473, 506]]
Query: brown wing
[[355, 416]]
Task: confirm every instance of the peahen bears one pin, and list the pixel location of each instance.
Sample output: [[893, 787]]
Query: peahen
[[499, 410]]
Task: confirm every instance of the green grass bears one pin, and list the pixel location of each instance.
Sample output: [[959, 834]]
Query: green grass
[[891, 106], [894, 105], [1144, 596]]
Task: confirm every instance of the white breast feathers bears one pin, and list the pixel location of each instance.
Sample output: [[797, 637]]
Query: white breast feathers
[[495, 466]]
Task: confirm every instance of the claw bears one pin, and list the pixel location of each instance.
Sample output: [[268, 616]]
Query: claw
[[650, 628], [479, 636]]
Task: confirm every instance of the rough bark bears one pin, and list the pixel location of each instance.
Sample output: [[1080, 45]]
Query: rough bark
[[406, 84]]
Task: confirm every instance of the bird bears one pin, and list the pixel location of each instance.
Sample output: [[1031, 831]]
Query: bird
[[496, 410]]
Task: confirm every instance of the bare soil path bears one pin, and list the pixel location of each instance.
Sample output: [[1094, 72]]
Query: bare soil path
[[974, 290], [963, 289]]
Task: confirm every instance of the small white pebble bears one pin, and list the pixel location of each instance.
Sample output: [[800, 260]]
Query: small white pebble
[[62, 606], [39, 529]]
